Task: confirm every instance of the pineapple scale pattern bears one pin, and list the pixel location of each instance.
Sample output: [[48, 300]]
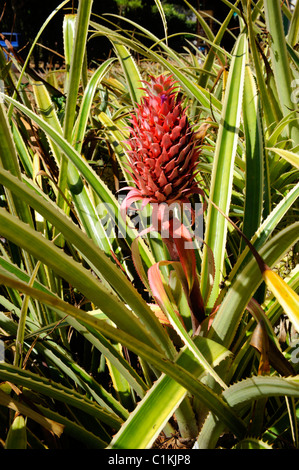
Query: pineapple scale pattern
[[162, 149]]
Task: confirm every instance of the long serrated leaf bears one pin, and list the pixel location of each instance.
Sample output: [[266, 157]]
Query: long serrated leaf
[[76, 274], [176, 372], [257, 387], [58, 357], [108, 270], [57, 391], [86, 104], [205, 98], [290, 157], [131, 72], [30, 52], [220, 194], [209, 60], [79, 49], [204, 24], [263, 233], [89, 174], [153, 412], [293, 33], [243, 393], [9, 161], [116, 138], [134, 44], [162, 296], [285, 295], [22, 321], [268, 107], [163, 17], [281, 67], [251, 443], [47, 110], [254, 157], [69, 25], [17, 434], [71, 428], [23, 152], [15, 405], [245, 284]]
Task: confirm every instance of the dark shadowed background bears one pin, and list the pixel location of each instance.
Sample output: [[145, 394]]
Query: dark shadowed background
[[27, 17]]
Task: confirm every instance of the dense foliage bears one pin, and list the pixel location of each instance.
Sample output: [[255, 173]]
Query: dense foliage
[[114, 335]]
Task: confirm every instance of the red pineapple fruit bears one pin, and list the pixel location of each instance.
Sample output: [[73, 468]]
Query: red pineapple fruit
[[162, 149], [163, 157]]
